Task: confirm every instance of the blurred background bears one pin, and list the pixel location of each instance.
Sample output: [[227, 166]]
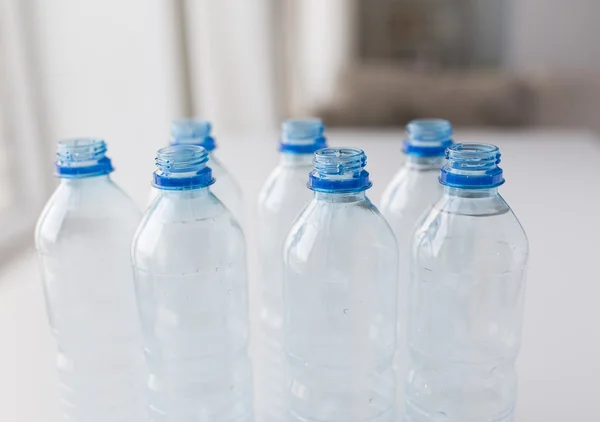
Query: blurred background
[[123, 69]]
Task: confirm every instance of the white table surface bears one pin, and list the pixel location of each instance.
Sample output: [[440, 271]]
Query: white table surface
[[552, 183]]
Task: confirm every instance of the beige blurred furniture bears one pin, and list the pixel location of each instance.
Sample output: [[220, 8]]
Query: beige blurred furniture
[[388, 95]]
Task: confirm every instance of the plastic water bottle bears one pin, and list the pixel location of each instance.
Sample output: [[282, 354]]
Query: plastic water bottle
[[281, 200], [341, 263], [83, 239], [189, 259], [467, 292], [410, 195], [197, 132]]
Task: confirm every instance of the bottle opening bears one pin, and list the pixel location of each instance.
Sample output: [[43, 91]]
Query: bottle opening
[[82, 157], [472, 166], [182, 167], [474, 150], [192, 132], [302, 136], [428, 137], [339, 170]]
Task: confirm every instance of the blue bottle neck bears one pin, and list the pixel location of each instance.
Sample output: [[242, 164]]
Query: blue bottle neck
[[302, 136], [472, 166], [339, 170], [81, 158], [192, 132], [182, 167]]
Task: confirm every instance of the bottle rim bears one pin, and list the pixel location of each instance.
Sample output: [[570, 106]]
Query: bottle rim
[[339, 170], [192, 131], [82, 157], [472, 166], [428, 137], [182, 167], [302, 136]]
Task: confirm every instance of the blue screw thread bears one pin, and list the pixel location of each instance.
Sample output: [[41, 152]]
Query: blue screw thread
[[339, 170], [192, 132], [302, 136], [82, 157], [182, 167], [472, 166]]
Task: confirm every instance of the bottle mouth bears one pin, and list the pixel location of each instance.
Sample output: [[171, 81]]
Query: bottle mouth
[[82, 157], [302, 136], [472, 166], [192, 132], [182, 167], [339, 170], [428, 137]]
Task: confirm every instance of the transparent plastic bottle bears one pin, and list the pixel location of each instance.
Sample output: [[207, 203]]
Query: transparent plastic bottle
[[197, 132], [83, 239], [341, 263], [409, 196], [467, 292], [189, 259], [281, 200]]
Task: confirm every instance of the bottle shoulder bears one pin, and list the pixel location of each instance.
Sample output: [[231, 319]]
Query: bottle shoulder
[[74, 207], [336, 224], [463, 232], [410, 189], [185, 227], [285, 188], [187, 208]]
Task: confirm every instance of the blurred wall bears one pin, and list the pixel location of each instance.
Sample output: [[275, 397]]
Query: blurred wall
[[323, 43], [490, 22], [554, 34], [123, 69], [231, 57], [111, 69]]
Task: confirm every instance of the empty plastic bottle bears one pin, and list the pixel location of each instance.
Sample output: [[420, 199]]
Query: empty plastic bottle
[[197, 132], [189, 258], [467, 293], [83, 239], [341, 263], [409, 196], [281, 200]]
